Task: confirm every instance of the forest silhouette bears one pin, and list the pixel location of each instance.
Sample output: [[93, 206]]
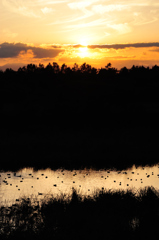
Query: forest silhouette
[[79, 117]]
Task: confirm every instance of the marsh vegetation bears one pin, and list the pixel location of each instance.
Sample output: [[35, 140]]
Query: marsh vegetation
[[109, 214]]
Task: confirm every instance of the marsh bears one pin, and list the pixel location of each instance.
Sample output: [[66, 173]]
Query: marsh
[[30, 183]]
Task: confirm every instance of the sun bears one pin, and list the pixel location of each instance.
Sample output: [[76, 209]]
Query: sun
[[83, 42], [83, 52]]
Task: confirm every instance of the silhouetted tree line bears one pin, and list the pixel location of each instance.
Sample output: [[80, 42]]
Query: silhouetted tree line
[[66, 93], [125, 79], [85, 68], [79, 116], [139, 75], [82, 83]]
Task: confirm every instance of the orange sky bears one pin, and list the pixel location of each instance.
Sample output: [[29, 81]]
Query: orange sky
[[123, 32]]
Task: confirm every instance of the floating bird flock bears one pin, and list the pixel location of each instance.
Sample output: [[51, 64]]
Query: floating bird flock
[[106, 179]]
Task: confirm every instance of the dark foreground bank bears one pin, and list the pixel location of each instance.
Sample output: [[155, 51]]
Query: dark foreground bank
[[109, 215]]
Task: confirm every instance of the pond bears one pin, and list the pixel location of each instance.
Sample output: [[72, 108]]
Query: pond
[[39, 184]]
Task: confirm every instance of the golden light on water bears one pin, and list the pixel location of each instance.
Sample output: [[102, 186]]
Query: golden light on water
[[41, 183]]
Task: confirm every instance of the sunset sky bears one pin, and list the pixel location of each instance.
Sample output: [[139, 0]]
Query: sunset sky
[[123, 32]]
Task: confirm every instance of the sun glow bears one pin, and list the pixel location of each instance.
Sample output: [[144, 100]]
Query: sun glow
[[83, 42], [83, 52]]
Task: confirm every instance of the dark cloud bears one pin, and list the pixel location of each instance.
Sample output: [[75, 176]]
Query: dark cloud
[[119, 57], [45, 53], [154, 50], [55, 46], [11, 50], [122, 46], [77, 45]]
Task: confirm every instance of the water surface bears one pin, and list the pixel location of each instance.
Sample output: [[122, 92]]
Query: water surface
[[42, 183]]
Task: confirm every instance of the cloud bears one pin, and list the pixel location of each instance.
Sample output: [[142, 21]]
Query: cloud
[[46, 10], [121, 57], [20, 7], [12, 50], [66, 20], [144, 22], [126, 45], [8, 33], [56, 46], [93, 23], [122, 28], [101, 9], [30, 8], [83, 7], [77, 45], [46, 53], [79, 5], [47, 2]]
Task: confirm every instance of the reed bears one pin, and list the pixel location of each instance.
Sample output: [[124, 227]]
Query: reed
[[108, 214]]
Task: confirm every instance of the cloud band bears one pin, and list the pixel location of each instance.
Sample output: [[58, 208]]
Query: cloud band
[[122, 46], [11, 50]]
